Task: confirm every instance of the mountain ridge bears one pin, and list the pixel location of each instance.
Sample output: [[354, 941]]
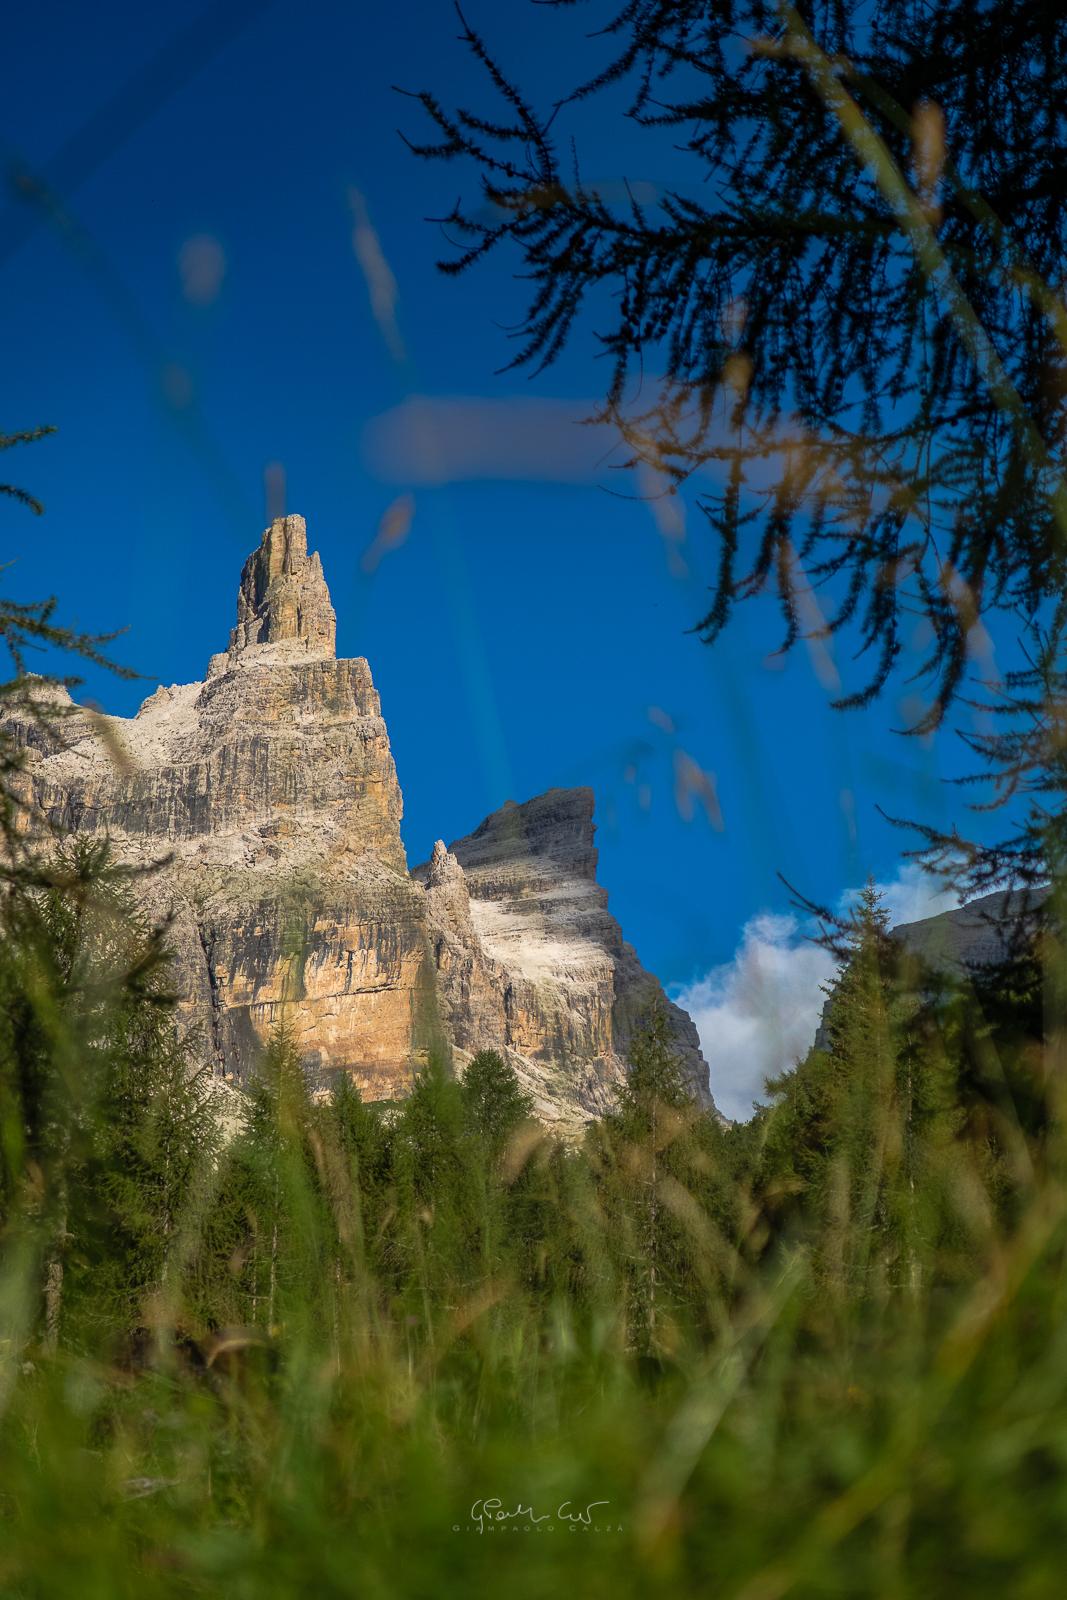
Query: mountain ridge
[[266, 803]]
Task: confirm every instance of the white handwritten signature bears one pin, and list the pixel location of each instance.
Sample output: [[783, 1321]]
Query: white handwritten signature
[[492, 1511]]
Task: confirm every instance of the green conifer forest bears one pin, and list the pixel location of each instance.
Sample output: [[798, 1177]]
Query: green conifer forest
[[355, 1347]]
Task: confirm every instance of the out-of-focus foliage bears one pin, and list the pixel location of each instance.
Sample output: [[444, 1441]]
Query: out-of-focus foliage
[[7, 442], [842, 318], [796, 274], [36, 699], [819, 1352]]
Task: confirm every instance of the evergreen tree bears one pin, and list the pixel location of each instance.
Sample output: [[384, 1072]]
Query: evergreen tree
[[106, 1129], [276, 1181], [825, 1113], [546, 1239], [644, 1155], [438, 1189], [872, 243], [363, 1182], [855, 1138], [7, 442], [34, 711], [654, 1084], [494, 1105], [859, 288]]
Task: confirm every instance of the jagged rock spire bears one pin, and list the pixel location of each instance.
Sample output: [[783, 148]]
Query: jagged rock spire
[[444, 867], [283, 595]]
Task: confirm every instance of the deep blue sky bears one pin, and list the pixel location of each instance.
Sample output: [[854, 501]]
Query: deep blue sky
[[524, 630]]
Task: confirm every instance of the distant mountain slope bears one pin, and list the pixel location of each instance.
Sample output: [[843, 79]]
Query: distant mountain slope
[[979, 934], [531, 961]]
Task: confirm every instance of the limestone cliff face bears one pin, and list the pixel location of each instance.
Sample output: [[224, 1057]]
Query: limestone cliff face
[[269, 794], [529, 959], [268, 798]]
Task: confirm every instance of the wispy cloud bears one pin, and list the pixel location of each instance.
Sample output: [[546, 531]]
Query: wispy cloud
[[378, 274], [668, 513], [912, 895], [439, 439], [757, 1013], [202, 266], [393, 529]]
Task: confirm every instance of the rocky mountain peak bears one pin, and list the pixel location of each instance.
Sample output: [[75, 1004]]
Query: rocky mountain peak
[[262, 812], [444, 866], [283, 598], [530, 961], [555, 831]]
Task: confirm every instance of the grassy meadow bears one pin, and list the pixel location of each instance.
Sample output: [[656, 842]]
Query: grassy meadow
[[425, 1348]]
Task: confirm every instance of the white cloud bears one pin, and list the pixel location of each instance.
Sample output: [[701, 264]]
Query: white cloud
[[912, 895], [759, 1012]]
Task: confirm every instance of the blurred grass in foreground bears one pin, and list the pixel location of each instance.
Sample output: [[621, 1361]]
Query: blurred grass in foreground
[[824, 1352]]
